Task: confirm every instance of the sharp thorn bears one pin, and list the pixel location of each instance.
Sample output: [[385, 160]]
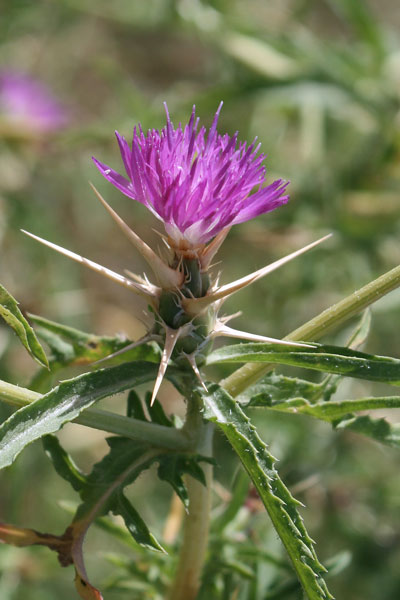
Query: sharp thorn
[[211, 250], [221, 330], [135, 277], [135, 287], [228, 318], [195, 306], [143, 340], [193, 364], [171, 337], [166, 276]]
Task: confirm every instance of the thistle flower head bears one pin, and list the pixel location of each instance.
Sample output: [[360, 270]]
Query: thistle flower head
[[198, 184], [27, 103]]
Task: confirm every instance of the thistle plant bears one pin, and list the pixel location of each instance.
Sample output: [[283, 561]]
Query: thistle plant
[[199, 184]]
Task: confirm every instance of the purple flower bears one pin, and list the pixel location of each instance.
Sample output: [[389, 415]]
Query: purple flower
[[27, 103], [197, 184]]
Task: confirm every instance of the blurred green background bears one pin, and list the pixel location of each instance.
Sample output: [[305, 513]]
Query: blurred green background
[[319, 83]]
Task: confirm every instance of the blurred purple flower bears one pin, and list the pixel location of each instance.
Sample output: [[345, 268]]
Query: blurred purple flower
[[28, 104], [197, 184]]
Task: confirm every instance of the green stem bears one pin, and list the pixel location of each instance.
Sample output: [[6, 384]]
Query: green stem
[[164, 437], [323, 323], [187, 579]]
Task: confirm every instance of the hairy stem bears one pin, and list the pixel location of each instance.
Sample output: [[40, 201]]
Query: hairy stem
[[314, 329], [159, 435], [187, 579]]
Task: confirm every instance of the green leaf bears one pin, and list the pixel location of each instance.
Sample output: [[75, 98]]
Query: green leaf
[[63, 463], [332, 411], [64, 403], [134, 407], [360, 333], [326, 358], [72, 346], [135, 524], [173, 467], [339, 414], [284, 589], [156, 412], [378, 429], [124, 453], [13, 316], [275, 389], [103, 490], [356, 340], [281, 506]]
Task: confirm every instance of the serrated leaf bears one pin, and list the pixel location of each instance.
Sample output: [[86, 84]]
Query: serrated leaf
[[280, 505], [13, 316], [103, 489], [101, 493], [284, 589], [63, 463], [64, 403], [326, 358], [123, 454]]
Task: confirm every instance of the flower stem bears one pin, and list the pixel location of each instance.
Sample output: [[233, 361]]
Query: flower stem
[[187, 579], [154, 434], [314, 329]]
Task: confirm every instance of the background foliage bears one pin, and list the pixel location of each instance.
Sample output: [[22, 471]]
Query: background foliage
[[319, 84]]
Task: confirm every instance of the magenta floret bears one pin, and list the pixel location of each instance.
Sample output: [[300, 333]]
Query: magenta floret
[[197, 184]]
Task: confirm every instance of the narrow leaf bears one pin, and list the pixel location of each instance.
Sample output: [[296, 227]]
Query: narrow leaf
[[63, 463], [340, 415], [135, 524], [64, 403], [134, 407], [356, 340], [326, 358], [332, 411], [281, 506], [172, 468], [116, 467], [275, 389], [72, 346], [103, 489], [156, 412], [13, 316], [378, 429]]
